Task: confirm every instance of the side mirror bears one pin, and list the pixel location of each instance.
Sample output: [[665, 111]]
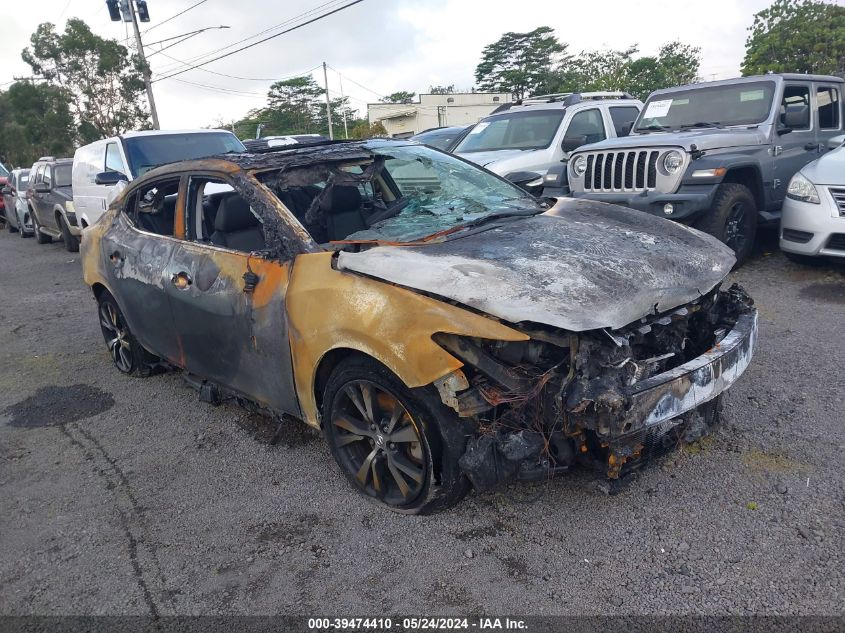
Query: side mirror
[[836, 141], [110, 178], [41, 187], [624, 129], [571, 143]]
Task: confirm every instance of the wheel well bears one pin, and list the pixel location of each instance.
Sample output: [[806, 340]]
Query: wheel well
[[58, 213], [98, 289], [327, 365], [750, 177]]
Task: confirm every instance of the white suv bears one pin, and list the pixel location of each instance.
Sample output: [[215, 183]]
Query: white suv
[[525, 139], [102, 169]]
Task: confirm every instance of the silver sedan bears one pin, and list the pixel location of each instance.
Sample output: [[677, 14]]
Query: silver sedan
[[813, 219]]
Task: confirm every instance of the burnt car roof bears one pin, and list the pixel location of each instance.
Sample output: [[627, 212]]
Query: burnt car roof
[[283, 158]]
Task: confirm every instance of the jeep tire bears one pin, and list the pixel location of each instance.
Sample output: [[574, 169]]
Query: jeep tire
[[732, 219]]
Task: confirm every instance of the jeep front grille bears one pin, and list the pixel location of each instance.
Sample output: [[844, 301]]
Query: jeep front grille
[[621, 171], [839, 199], [618, 171]]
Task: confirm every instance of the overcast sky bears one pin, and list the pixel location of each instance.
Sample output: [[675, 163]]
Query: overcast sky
[[379, 46]]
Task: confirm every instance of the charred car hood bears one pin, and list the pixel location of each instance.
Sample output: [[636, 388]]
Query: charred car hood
[[580, 266], [703, 139]]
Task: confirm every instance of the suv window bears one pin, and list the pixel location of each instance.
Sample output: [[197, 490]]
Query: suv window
[[39, 172], [796, 99], [113, 160], [47, 177], [589, 124], [829, 107], [152, 208], [516, 130], [623, 117]]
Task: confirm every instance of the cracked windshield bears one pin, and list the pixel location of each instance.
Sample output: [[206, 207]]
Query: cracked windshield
[[434, 192]]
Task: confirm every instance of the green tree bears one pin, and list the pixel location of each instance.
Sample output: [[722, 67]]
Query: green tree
[[293, 106], [402, 96], [363, 129], [676, 64], [442, 90], [102, 80], [35, 120], [522, 63], [801, 36]]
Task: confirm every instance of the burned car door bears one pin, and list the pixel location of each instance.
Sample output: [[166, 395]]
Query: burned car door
[[136, 250], [228, 300]]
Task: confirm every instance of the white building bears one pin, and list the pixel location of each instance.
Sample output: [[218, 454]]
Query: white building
[[404, 119]]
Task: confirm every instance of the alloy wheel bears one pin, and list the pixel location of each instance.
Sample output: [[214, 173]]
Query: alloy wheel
[[117, 336], [736, 231], [379, 443]]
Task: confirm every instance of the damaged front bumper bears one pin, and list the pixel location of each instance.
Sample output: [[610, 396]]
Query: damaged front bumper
[[609, 399]]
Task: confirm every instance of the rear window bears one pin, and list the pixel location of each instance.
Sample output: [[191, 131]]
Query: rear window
[[146, 152]]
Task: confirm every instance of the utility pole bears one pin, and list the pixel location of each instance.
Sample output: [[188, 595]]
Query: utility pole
[[328, 101], [345, 129], [147, 83]]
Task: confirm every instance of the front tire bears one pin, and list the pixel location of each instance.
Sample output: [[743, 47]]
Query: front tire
[[71, 241], [732, 219], [126, 352], [398, 446]]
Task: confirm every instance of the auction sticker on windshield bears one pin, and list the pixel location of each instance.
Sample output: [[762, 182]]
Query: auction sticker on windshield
[[657, 109]]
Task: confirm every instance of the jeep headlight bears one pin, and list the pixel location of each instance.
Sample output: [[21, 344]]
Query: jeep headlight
[[802, 189], [579, 165], [673, 161]]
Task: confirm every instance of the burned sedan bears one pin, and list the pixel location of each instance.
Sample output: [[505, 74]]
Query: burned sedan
[[442, 329]]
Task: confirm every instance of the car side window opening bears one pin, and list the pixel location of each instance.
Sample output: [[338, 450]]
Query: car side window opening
[[796, 99], [589, 124], [114, 162], [47, 177], [152, 208], [217, 214], [830, 107]]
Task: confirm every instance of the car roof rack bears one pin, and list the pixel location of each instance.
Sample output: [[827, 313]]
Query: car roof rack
[[571, 98]]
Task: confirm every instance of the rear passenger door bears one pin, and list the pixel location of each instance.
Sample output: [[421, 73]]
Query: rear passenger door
[[828, 113], [137, 249], [228, 300], [799, 146]]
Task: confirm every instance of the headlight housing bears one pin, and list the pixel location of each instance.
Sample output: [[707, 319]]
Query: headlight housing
[[802, 189], [673, 161], [579, 165]]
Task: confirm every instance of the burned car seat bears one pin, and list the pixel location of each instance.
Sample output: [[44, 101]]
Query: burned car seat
[[236, 227], [342, 209]]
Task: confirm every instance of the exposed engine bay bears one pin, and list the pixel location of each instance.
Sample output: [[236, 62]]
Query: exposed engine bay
[[607, 399]]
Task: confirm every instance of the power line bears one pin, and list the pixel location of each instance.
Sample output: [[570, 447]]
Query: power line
[[275, 35], [193, 6], [347, 77], [214, 72], [253, 36]]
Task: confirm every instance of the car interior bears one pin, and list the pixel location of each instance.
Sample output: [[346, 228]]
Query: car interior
[[153, 208]]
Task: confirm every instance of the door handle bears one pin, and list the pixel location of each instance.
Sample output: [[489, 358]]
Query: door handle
[[181, 280], [811, 146], [116, 257]]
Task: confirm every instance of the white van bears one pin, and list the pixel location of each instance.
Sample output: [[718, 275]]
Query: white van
[[102, 168]]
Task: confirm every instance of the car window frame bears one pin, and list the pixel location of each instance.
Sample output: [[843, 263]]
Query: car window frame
[[838, 111], [595, 108], [811, 104], [613, 122], [119, 155], [39, 171], [130, 197]]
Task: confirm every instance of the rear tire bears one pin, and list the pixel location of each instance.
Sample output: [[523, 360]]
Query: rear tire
[[396, 445], [128, 356], [71, 241], [41, 237], [732, 219]]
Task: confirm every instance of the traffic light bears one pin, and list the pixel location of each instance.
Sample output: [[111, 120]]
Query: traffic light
[[125, 11], [114, 10], [143, 14]]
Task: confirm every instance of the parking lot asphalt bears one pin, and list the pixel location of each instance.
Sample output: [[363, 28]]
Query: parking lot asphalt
[[129, 496]]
